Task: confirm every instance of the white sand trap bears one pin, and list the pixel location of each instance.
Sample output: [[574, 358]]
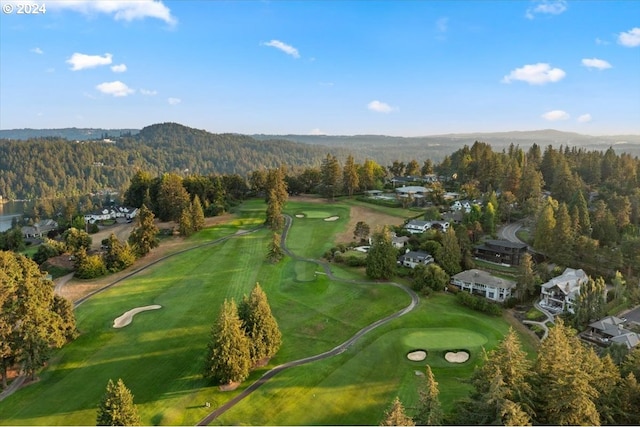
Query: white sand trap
[[332, 218], [459, 357], [126, 318], [417, 355], [299, 215]]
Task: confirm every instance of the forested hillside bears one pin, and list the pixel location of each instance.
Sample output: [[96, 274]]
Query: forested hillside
[[50, 167]]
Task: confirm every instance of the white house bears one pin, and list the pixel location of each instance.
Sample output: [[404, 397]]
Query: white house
[[460, 205], [560, 293], [416, 226], [480, 282], [414, 258], [111, 213], [398, 241]]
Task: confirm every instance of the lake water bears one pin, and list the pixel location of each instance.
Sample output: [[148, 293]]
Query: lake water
[[8, 211]]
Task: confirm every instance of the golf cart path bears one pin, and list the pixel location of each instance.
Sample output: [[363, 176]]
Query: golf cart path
[[333, 352]]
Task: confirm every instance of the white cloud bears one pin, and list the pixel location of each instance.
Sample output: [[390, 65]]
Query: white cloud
[[442, 25], [380, 107], [584, 118], [548, 7], [288, 49], [316, 131], [37, 50], [535, 74], [80, 61], [148, 92], [555, 115], [600, 64], [121, 68], [116, 88], [121, 10], [631, 38], [174, 101]]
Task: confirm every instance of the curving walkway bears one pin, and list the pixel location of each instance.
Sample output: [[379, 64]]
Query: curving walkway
[[333, 352], [542, 324]]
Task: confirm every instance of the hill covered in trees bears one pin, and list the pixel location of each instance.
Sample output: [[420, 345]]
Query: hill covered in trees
[[51, 167]]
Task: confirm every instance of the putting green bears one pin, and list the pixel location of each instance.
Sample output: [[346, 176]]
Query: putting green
[[443, 339]]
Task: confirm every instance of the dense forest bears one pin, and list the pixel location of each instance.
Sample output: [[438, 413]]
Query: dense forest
[[53, 167]]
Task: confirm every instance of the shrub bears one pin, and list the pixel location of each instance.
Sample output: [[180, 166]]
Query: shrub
[[478, 303]]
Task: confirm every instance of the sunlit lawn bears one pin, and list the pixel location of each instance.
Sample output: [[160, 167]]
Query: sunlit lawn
[[160, 355]]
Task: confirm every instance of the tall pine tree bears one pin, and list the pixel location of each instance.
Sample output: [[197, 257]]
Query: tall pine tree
[[116, 407], [260, 326]]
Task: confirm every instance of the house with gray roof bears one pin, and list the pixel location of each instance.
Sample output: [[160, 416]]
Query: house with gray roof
[[414, 258], [560, 293], [611, 330], [481, 283]]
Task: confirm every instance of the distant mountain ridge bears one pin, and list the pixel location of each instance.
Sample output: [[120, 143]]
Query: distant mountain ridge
[[71, 134]]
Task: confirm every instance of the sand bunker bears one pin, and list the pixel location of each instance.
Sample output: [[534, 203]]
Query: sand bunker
[[456, 357], [417, 356], [127, 317], [299, 215], [332, 218]]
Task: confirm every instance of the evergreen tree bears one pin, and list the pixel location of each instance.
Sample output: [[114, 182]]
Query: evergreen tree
[[489, 218], [562, 236], [116, 407], [629, 393], [259, 325], [140, 184], [75, 239], [143, 237], [185, 224], [429, 412], [450, 256], [197, 214], [396, 415], [580, 204], [381, 258], [275, 253], [172, 198], [350, 178], [526, 279], [229, 354], [277, 195], [543, 237], [330, 176], [430, 276], [564, 391]]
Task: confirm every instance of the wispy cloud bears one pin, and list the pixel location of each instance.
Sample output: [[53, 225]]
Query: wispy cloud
[[630, 38], [555, 115], [80, 61], [121, 10], [121, 68], [600, 64], [174, 101], [601, 42], [546, 7], [148, 92], [535, 74], [288, 49], [584, 118], [380, 107], [37, 50], [117, 89]]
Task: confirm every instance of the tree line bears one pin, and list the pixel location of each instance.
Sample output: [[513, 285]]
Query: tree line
[[566, 384]]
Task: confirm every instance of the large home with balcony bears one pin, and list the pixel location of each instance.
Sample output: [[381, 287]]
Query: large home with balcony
[[480, 282], [413, 258], [560, 293], [501, 252], [416, 226]]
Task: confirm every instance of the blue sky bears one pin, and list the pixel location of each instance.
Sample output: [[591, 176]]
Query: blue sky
[[405, 68]]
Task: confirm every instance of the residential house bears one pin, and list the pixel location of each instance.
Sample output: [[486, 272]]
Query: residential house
[[501, 252], [111, 213], [416, 226], [480, 282], [398, 242], [461, 205], [414, 258], [39, 229], [560, 293], [611, 330]]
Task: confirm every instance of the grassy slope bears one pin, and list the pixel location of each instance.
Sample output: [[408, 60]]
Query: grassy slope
[[160, 354]]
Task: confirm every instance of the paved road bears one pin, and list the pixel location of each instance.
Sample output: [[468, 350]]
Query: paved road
[[508, 232], [333, 352]]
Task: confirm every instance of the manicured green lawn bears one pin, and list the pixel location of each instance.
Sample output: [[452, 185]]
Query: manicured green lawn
[[160, 355]]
